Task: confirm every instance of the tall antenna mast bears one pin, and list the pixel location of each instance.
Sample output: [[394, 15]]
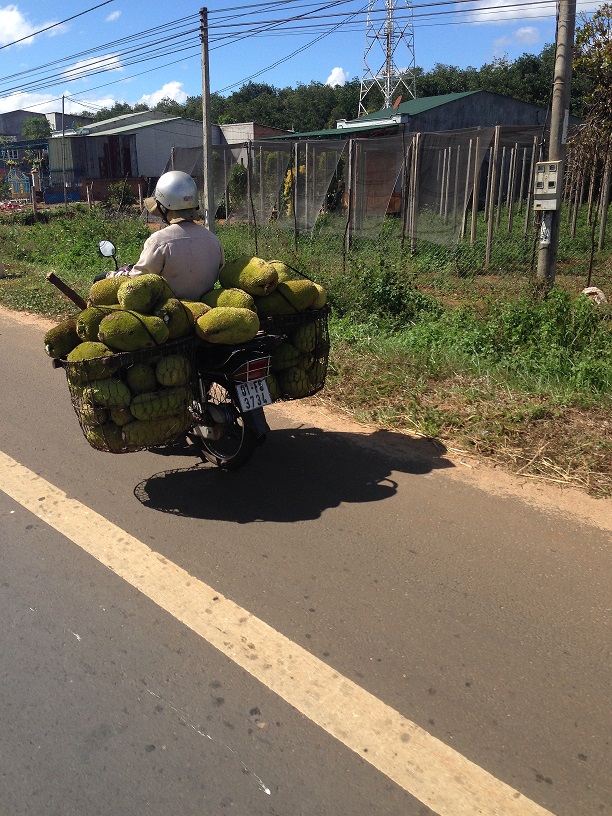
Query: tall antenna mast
[[386, 43]]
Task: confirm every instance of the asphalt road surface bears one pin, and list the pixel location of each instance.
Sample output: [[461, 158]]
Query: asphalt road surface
[[352, 625]]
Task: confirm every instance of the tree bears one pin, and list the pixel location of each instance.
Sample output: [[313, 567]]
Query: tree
[[170, 106], [593, 59], [36, 128]]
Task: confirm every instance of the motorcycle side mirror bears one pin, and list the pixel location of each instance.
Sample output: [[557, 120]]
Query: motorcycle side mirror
[[108, 250]]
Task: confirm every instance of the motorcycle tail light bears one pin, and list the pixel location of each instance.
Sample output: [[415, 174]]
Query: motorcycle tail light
[[253, 370]]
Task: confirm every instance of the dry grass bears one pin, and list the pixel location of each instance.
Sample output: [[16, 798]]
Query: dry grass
[[473, 414]]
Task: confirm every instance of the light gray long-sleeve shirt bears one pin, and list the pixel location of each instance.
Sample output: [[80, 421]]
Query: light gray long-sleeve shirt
[[187, 255]]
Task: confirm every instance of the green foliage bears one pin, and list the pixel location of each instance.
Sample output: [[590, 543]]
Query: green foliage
[[120, 197], [5, 190], [66, 243], [36, 128]]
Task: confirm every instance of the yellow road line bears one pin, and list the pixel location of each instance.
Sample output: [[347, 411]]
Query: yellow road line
[[436, 775]]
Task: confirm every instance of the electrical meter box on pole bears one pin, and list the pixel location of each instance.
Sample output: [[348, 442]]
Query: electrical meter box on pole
[[548, 185]]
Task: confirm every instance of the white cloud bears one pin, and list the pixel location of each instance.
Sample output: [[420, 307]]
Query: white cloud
[[14, 26], [501, 11], [48, 103], [80, 70], [171, 90], [115, 15], [337, 77], [528, 35]]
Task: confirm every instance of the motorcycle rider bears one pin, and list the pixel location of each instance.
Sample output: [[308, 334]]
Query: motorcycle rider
[[186, 254]]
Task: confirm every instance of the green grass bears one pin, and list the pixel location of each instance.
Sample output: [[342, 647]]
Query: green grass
[[478, 359]]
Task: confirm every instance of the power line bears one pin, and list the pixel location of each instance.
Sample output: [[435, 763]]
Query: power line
[[54, 25], [228, 33]]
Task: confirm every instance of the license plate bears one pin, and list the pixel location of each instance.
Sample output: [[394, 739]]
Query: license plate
[[253, 394]]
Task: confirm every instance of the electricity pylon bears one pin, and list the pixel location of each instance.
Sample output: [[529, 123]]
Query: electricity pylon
[[387, 42]]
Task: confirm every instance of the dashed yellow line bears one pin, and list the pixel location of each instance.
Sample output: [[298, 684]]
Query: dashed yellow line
[[436, 775]]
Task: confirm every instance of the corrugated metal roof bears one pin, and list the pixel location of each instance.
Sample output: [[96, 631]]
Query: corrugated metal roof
[[412, 107], [115, 131], [335, 132]]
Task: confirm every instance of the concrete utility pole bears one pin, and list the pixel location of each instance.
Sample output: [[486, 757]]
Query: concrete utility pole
[[207, 165], [559, 120]]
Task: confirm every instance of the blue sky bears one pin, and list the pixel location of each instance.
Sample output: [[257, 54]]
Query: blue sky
[[97, 52]]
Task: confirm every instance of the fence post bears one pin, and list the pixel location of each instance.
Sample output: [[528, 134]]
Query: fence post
[[605, 200], [349, 200], [456, 188], [475, 192], [414, 207], [493, 180], [406, 180], [500, 189], [466, 196], [530, 185], [522, 184], [512, 185]]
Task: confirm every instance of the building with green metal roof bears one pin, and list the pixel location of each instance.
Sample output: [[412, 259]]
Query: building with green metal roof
[[454, 111]]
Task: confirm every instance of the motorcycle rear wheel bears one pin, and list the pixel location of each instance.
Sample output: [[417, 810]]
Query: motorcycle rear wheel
[[238, 440]]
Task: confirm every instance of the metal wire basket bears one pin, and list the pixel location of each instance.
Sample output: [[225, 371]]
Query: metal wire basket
[[299, 366], [134, 400]]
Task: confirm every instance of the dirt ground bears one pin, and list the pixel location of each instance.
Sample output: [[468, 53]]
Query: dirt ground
[[570, 502]]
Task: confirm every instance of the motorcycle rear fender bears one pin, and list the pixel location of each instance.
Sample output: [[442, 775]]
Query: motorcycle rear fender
[[258, 422]]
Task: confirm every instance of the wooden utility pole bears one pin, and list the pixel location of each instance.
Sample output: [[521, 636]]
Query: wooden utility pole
[[556, 149], [207, 164]]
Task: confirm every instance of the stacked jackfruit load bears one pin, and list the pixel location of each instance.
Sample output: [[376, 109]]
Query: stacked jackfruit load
[[145, 404], [290, 303], [128, 370]]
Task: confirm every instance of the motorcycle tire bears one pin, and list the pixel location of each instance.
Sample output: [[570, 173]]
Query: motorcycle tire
[[238, 440]]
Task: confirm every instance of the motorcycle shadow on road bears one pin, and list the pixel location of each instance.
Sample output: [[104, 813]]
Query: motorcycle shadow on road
[[297, 475]]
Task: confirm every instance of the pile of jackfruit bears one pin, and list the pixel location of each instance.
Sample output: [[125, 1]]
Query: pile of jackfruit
[[273, 289], [144, 402], [136, 406]]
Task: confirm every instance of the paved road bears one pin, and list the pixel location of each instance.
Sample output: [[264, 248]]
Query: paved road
[[343, 627]]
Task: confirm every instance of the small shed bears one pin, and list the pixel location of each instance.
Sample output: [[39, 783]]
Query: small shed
[[130, 146]]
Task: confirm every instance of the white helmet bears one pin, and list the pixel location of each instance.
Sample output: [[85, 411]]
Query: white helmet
[[176, 191]]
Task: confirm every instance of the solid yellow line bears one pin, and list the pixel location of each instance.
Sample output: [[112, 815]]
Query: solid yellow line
[[436, 775]]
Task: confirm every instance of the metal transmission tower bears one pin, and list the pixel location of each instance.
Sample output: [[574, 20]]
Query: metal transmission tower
[[386, 43]]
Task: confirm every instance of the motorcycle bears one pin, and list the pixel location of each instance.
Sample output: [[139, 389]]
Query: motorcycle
[[230, 389]]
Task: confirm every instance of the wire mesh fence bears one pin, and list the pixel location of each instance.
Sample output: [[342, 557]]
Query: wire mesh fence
[[469, 191]]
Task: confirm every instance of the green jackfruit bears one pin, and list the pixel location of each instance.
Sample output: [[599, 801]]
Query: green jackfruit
[[61, 339], [318, 371], [295, 382], [285, 356], [109, 393], [88, 322], [227, 324], [107, 437], [156, 404], [274, 387], [177, 317], [130, 331], [284, 272], [304, 337], [173, 370], [289, 297], [254, 275], [121, 416], [92, 416], [140, 377], [196, 308], [321, 298], [89, 358], [150, 433], [143, 293], [229, 297], [104, 292]]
